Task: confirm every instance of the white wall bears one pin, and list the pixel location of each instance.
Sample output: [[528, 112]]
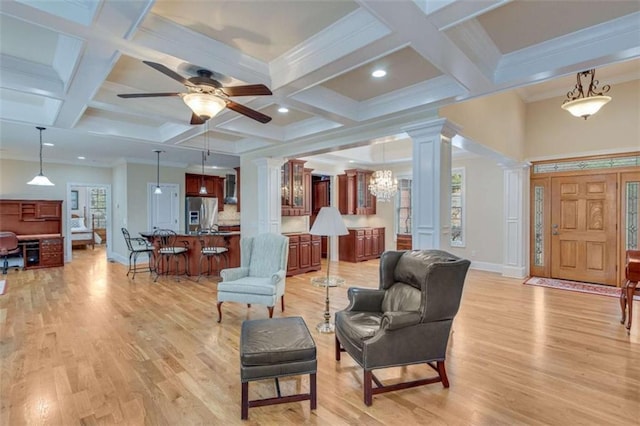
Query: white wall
[[553, 132], [483, 205]]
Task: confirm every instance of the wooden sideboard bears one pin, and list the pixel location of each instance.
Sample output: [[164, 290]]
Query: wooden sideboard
[[38, 225], [361, 244], [304, 253]]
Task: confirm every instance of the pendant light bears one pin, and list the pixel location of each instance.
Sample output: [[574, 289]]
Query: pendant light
[[203, 188], [382, 184], [40, 179], [584, 104], [158, 191]]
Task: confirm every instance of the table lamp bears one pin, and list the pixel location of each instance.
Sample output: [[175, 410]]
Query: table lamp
[[328, 223]]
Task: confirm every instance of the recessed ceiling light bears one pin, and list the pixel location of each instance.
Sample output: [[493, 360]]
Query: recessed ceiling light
[[352, 161], [81, 158], [378, 73], [283, 110], [47, 144]]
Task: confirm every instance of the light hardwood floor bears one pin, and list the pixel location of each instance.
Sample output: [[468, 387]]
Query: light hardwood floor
[[84, 344]]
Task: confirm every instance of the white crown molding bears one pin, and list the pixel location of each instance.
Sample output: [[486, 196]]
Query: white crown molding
[[425, 93], [308, 127], [339, 39], [587, 48], [456, 12], [30, 77], [162, 35], [474, 41], [327, 100]]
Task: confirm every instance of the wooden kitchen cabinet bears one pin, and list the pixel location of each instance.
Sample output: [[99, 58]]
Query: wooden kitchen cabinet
[[353, 193], [320, 195], [237, 169], [304, 253], [361, 244], [295, 183], [214, 185]]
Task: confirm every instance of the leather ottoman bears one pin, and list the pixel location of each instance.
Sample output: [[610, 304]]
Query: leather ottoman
[[272, 348]]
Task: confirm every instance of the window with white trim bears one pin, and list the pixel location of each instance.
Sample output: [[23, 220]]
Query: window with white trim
[[457, 208]]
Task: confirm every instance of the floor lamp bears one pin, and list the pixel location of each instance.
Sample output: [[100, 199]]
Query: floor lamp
[[329, 223]]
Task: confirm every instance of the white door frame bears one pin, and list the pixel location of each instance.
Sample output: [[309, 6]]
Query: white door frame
[[68, 253], [172, 187]]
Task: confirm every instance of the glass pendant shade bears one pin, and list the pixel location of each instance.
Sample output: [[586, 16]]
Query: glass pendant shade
[[204, 105], [383, 185], [40, 179], [586, 106], [157, 191]]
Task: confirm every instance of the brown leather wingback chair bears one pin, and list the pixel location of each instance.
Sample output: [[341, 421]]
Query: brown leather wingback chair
[[407, 320], [8, 246]]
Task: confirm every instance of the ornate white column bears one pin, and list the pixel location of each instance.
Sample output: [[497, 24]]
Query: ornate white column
[[431, 184], [516, 222], [268, 193]]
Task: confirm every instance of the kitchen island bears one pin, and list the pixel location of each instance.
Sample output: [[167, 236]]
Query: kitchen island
[[231, 242]]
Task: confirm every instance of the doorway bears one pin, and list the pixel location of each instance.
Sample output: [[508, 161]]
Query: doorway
[[583, 217], [88, 217]]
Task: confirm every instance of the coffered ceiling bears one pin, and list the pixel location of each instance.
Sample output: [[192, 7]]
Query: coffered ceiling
[[62, 64]]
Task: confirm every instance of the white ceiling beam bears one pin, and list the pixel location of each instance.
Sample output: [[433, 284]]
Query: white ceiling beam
[[459, 11], [414, 27]]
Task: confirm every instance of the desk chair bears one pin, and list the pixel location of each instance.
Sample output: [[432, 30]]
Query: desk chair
[[8, 246]]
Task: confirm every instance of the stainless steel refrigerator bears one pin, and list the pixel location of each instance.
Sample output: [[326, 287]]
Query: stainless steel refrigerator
[[201, 214]]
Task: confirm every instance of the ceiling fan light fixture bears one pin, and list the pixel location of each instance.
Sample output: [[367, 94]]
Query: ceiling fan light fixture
[[40, 179], [204, 105], [581, 104]]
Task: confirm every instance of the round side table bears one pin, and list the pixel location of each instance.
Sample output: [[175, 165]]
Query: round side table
[[327, 326]]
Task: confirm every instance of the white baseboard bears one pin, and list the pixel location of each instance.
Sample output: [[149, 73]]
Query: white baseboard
[[486, 266], [115, 257], [514, 272]]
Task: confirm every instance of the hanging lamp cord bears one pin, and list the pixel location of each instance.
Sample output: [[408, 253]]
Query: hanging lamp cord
[[41, 129]]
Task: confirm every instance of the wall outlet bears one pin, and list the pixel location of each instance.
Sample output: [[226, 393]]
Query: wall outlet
[[473, 253]]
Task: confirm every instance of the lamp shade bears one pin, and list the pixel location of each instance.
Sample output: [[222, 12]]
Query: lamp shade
[[329, 223], [585, 107], [204, 105], [40, 180]]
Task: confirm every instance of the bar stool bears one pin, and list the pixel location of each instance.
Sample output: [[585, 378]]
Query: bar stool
[[212, 247], [170, 248], [632, 275], [137, 247]]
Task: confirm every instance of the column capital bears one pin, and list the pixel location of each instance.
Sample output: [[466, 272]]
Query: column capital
[[441, 126], [269, 161]]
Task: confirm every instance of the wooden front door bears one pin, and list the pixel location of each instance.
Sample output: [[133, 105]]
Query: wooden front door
[[583, 228]]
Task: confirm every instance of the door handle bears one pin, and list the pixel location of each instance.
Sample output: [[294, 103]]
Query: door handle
[[554, 231]]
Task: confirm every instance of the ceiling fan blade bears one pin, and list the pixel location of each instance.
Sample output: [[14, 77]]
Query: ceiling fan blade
[[251, 113], [146, 95], [249, 90], [195, 119], [168, 72]]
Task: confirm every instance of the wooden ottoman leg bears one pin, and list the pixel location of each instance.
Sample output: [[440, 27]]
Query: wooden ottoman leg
[[631, 288], [368, 392], [623, 302], [312, 390], [245, 401]]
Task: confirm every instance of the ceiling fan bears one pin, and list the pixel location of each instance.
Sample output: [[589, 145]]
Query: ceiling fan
[[206, 96]]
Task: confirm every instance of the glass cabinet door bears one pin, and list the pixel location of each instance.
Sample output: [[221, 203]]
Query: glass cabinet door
[[297, 175], [285, 192], [361, 190]]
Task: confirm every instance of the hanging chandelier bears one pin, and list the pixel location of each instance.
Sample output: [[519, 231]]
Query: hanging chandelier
[[383, 185], [584, 105], [40, 179]]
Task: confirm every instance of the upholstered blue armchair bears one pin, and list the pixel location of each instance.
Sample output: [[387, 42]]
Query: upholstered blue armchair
[[261, 276]]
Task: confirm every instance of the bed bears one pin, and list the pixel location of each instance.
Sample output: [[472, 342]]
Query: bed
[[81, 235]]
